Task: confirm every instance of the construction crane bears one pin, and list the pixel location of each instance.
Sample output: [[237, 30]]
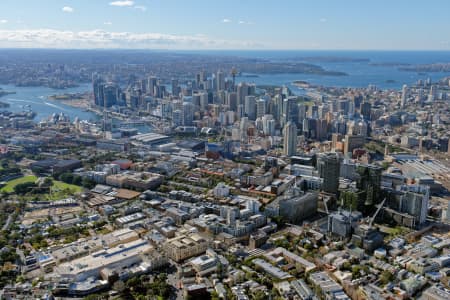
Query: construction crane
[[376, 213]]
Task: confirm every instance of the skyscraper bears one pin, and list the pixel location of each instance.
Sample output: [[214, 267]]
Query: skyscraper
[[231, 101], [250, 107], [328, 165], [220, 80], [369, 182], [203, 101], [261, 107], [290, 110], [242, 90], [301, 113], [188, 113], [277, 107], [98, 85], [290, 139], [365, 109], [433, 93], [268, 125], [151, 84], [175, 87], [110, 94], [404, 95], [414, 201]]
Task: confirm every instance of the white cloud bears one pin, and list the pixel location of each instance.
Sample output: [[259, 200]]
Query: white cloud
[[50, 38], [241, 22], [226, 20], [3, 21], [322, 20], [122, 3], [141, 7], [67, 9], [107, 23]]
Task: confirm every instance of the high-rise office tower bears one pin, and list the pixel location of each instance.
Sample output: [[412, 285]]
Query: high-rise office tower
[[404, 95], [143, 85], [352, 142], [195, 99], [243, 127], [433, 93], [177, 117], [321, 129], [261, 107], [242, 91], [97, 84], [188, 113], [220, 80], [414, 201], [290, 110], [110, 94], [250, 107], [231, 101], [351, 109], [175, 87], [268, 125], [277, 107], [328, 166], [152, 82], [369, 182], [301, 113], [343, 106], [240, 111], [166, 109], [365, 110], [290, 139], [220, 98], [203, 101]]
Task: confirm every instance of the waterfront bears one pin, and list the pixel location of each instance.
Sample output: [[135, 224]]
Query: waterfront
[[37, 99], [380, 69], [363, 68]]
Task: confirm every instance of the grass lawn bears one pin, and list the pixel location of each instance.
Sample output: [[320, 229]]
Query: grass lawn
[[59, 185], [59, 190], [9, 187]]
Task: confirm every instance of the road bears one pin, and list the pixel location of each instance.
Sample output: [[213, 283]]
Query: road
[[7, 223]]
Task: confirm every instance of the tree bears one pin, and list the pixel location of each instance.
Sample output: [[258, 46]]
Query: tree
[[279, 221], [67, 178], [346, 265], [23, 188], [214, 295], [77, 180], [119, 286], [386, 277], [48, 182], [161, 286], [259, 295], [88, 183]]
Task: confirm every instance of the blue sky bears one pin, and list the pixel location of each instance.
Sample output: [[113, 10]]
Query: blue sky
[[230, 24]]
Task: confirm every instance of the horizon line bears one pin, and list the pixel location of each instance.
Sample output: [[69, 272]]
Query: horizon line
[[225, 49]]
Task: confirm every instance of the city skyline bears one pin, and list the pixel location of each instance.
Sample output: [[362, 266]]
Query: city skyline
[[246, 25]]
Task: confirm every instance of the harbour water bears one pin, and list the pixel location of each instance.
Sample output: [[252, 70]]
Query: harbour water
[[380, 69], [360, 74], [36, 99]]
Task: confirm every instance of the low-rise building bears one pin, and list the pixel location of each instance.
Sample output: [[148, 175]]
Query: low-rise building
[[140, 181], [118, 257], [329, 288], [185, 246]]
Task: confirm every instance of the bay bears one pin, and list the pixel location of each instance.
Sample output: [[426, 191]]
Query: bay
[[37, 99]]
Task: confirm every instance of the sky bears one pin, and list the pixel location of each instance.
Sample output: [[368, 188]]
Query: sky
[[226, 24]]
